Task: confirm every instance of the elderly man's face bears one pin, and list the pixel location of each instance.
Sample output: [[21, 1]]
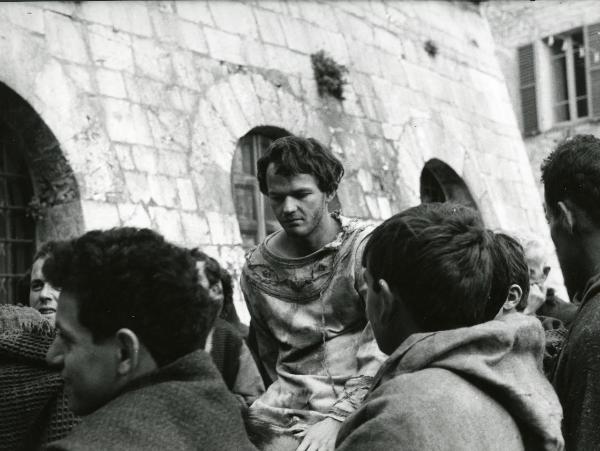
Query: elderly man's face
[[42, 295]]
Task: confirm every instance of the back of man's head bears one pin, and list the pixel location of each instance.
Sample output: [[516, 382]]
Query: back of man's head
[[132, 278], [437, 258], [572, 172], [293, 155]]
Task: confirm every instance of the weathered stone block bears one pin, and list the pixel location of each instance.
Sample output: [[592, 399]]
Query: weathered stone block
[[191, 37], [167, 222], [126, 122], [110, 83], [65, 38], [25, 15], [320, 14], [110, 48], [195, 11], [134, 215], [187, 196], [243, 90], [296, 34], [99, 215], [145, 159], [234, 17], [152, 60], [195, 229], [269, 27], [163, 190], [80, 76], [224, 229], [137, 186], [171, 163], [223, 99], [131, 17], [224, 46], [123, 153], [185, 72]]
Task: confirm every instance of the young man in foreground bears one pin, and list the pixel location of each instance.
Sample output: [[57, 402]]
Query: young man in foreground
[[131, 323], [454, 379]]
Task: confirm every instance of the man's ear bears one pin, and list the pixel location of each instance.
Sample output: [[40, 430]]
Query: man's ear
[[129, 351], [515, 293], [567, 215], [330, 196], [388, 302]]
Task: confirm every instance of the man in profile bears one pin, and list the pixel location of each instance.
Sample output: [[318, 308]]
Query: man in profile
[[131, 322], [571, 176], [304, 289]]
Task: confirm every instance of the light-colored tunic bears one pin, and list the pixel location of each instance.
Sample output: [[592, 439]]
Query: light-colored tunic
[[313, 337]]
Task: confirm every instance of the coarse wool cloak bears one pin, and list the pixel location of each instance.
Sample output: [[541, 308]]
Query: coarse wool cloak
[[475, 388], [577, 375], [33, 404], [182, 406]]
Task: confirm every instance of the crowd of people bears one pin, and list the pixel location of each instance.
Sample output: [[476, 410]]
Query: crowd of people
[[427, 331]]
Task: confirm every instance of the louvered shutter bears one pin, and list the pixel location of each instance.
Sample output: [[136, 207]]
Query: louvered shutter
[[593, 65], [527, 88]]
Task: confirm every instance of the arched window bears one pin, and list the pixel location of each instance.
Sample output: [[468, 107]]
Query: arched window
[[17, 230], [253, 211], [440, 183]]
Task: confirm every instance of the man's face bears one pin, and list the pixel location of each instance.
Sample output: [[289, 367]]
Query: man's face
[[298, 203], [42, 296], [89, 369]]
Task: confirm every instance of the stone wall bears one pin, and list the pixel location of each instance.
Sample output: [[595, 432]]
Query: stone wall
[[148, 101]]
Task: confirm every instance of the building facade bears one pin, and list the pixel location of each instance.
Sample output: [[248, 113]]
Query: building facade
[[153, 114], [549, 53]]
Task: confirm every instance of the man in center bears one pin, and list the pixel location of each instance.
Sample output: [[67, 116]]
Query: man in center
[[306, 295]]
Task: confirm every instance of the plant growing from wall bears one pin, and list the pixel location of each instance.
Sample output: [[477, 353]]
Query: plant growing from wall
[[329, 75]]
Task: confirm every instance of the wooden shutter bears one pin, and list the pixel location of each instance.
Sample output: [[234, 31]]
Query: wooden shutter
[[593, 66], [527, 88]]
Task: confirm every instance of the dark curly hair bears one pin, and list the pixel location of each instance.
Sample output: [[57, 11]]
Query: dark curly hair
[[132, 278], [437, 257], [572, 171], [294, 155]]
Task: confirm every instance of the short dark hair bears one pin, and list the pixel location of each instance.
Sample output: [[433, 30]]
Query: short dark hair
[[438, 259], [294, 155], [510, 267], [572, 171], [133, 278]]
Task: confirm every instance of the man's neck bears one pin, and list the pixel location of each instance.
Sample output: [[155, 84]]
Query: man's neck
[[295, 247]]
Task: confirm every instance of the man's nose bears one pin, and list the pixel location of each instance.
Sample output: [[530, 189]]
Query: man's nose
[[47, 292], [289, 205], [54, 356]]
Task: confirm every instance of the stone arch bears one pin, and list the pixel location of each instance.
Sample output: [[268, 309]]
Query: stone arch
[[55, 202], [440, 183], [230, 109]]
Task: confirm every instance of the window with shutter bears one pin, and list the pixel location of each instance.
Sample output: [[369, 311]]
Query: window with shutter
[[527, 88], [593, 65]]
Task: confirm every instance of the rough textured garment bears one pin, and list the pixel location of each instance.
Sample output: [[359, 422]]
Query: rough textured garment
[[311, 329], [181, 406], [476, 388], [577, 375], [33, 405], [235, 363]]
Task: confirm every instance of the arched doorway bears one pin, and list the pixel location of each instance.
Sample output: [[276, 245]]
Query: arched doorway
[[440, 183], [39, 196]]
